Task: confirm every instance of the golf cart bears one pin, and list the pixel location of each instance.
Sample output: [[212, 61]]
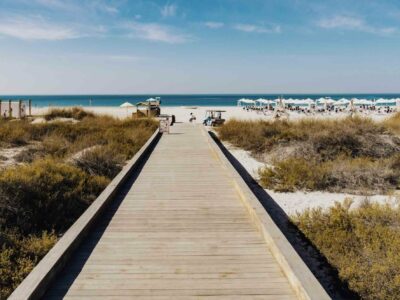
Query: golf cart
[[214, 118]]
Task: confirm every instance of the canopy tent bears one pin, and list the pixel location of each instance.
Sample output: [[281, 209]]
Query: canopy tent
[[246, 101]]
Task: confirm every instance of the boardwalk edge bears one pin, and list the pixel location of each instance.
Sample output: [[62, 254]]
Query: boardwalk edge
[[35, 284], [302, 280]]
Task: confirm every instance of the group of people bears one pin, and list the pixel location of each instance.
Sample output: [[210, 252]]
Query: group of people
[[326, 109]]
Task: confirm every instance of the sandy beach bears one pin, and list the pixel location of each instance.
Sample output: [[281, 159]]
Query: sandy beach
[[289, 202], [182, 113]]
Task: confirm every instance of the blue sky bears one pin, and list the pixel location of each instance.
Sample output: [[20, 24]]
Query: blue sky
[[202, 46]]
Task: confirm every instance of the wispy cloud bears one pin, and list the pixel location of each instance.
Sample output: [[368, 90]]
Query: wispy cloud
[[35, 28], [257, 29], [353, 23], [214, 25], [169, 10], [156, 32], [103, 6]]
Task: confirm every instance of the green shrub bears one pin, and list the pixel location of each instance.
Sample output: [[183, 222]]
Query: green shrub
[[363, 244], [45, 195]]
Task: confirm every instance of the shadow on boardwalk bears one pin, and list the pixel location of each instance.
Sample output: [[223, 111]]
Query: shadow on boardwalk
[[316, 262]]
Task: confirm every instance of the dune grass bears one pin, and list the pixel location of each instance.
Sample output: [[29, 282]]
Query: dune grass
[[352, 155], [363, 244], [63, 168]]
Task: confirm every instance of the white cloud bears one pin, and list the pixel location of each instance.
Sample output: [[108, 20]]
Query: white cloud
[[353, 23], [35, 29], [169, 10], [156, 32], [214, 25], [257, 29]]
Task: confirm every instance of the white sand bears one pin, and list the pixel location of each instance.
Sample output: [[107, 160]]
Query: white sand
[[300, 201], [289, 202], [182, 114]]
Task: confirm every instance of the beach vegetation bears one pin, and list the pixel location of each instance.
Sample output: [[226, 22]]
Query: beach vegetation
[[76, 113], [354, 155], [61, 169], [363, 244]]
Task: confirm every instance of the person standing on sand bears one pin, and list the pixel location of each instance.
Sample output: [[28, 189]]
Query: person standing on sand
[[192, 118]]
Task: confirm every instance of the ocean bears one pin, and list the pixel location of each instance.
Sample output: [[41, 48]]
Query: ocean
[[174, 100]]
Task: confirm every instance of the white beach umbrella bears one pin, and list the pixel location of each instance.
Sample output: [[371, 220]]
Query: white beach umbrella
[[246, 101], [127, 104], [385, 101], [330, 101], [342, 101], [263, 101]]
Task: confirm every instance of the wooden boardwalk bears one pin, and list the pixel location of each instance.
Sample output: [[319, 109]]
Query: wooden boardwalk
[[179, 231]]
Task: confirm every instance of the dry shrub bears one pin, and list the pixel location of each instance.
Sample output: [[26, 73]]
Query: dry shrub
[[13, 133], [292, 174], [351, 154], [18, 255], [48, 193], [103, 161], [351, 175], [362, 174], [76, 113], [363, 244], [55, 145], [393, 123], [45, 195]]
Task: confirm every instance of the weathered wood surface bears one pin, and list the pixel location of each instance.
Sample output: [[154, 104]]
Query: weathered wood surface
[[180, 231]]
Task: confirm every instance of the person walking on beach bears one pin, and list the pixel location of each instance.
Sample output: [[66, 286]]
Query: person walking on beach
[[192, 118]]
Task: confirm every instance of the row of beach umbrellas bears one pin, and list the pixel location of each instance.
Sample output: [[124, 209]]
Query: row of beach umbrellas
[[325, 101]]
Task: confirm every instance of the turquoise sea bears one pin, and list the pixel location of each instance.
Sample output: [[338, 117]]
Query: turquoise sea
[[174, 100]]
